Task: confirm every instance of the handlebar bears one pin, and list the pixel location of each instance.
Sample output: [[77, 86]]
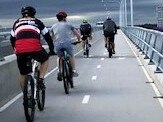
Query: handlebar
[[76, 42]]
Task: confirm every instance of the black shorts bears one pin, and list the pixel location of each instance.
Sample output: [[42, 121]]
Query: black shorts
[[109, 35], [24, 60]]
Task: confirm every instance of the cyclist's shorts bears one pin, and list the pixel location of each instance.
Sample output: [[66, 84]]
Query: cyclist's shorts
[[84, 37], [68, 46], [24, 60], [109, 35]]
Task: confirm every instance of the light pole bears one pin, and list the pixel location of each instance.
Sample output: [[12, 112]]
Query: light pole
[[123, 11], [131, 9]]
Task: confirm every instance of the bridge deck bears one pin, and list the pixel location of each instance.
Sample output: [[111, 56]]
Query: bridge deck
[[115, 90]]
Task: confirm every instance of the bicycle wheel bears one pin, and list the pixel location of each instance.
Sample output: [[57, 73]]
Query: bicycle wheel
[[110, 50], [87, 53], [40, 95], [65, 76], [86, 48], [29, 101], [70, 76]]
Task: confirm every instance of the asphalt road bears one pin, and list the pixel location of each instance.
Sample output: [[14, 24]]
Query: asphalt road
[[107, 90]]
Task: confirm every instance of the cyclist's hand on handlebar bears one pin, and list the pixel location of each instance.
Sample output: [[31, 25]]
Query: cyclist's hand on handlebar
[[51, 53], [76, 42]]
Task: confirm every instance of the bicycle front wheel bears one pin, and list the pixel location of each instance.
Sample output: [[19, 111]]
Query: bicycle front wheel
[[29, 100]]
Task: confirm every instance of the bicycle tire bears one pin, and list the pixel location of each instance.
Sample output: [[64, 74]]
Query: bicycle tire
[[110, 53], [87, 53], [29, 101], [41, 99], [110, 50], [71, 76], [65, 76], [40, 94]]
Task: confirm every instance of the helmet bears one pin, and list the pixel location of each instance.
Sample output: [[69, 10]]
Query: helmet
[[61, 14], [85, 21], [108, 18], [29, 10]]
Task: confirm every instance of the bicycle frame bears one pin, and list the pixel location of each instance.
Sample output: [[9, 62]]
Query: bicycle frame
[[35, 66]]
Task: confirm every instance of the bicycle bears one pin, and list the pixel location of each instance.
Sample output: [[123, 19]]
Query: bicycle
[[109, 47], [33, 93], [86, 45], [66, 70]]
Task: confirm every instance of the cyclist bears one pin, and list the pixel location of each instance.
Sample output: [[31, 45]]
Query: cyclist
[[62, 36], [25, 40], [110, 29], [86, 32]]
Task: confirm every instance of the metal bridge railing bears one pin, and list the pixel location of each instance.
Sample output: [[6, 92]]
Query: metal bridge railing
[[150, 42]]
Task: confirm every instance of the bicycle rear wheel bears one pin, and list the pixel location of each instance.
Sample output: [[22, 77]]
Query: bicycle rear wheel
[[110, 50], [40, 94], [87, 51], [87, 48], [70, 76], [65, 77], [29, 101]]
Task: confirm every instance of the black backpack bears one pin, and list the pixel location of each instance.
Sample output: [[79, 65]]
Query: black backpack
[[85, 29]]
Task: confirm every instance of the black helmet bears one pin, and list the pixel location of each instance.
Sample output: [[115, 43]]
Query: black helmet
[[28, 10]]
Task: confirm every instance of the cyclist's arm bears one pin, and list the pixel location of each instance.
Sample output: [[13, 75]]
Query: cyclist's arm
[[49, 40], [46, 35], [12, 41], [76, 33]]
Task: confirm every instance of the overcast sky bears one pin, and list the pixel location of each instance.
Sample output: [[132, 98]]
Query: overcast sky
[[94, 10]]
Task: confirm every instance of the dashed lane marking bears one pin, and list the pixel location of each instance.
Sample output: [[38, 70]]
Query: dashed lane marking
[[94, 77], [86, 99], [98, 66]]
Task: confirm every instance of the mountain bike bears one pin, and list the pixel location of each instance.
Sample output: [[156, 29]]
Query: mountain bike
[[86, 45], [66, 70], [33, 93]]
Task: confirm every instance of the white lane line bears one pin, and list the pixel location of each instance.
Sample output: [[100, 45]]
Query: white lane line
[[19, 95], [146, 74], [121, 58], [105, 53], [51, 72], [10, 102], [85, 99], [102, 59], [98, 66], [94, 77]]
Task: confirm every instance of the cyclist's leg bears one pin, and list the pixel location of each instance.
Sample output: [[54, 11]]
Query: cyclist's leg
[[24, 69], [72, 59], [106, 39], [41, 57], [22, 81]]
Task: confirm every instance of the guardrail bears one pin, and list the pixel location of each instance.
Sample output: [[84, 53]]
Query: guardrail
[[150, 42]]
